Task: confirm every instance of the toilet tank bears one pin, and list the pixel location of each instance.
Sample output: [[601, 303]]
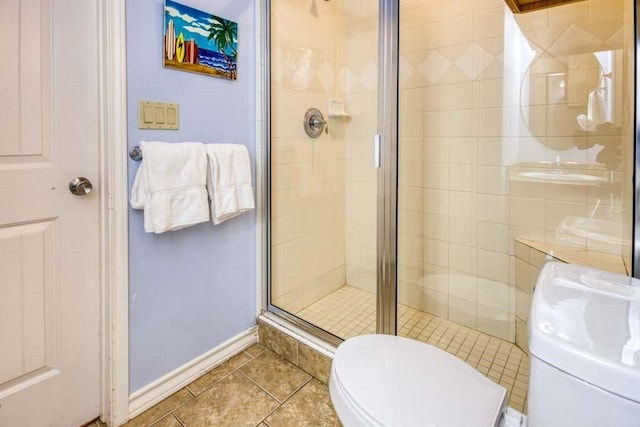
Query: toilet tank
[[584, 340]]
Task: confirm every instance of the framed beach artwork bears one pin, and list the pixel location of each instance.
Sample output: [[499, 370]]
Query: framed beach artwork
[[199, 42]]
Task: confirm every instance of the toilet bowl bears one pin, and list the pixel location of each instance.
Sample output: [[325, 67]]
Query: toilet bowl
[[585, 366]]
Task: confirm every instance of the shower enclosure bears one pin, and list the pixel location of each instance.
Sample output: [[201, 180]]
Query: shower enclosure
[[461, 147]]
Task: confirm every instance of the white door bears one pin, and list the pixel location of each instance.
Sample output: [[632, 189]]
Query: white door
[[49, 238]]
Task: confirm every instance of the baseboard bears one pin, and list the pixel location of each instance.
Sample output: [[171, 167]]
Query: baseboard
[[165, 386]]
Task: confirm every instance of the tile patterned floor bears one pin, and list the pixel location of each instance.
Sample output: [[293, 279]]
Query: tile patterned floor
[[254, 388], [350, 311], [258, 388]]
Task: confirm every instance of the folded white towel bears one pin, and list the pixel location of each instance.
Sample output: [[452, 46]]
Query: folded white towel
[[229, 181], [171, 185], [599, 107]]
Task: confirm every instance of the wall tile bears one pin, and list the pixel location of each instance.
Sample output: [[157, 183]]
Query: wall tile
[[462, 231], [488, 24], [493, 237], [493, 208], [464, 150], [410, 294], [436, 124], [436, 175], [436, 98], [522, 275], [493, 322], [436, 303], [436, 252], [527, 213], [463, 204], [436, 201], [522, 251], [436, 150], [411, 271], [436, 279], [493, 294], [462, 259], [462, 177], [463, 286], [463, 312], [492, 180], [448, 32], [493, 151], [461, 96], [556, 212], [522, 335], [493, 265], [523, 305], [436, 226]]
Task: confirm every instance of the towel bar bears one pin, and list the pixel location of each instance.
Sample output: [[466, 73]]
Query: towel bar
[[135, 153]]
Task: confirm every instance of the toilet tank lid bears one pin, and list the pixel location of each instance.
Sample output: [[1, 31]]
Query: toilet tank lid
[[586, 322]]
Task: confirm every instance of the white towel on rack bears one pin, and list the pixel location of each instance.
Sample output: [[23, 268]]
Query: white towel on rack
[[599, 107], [171, 185], [229, 181]]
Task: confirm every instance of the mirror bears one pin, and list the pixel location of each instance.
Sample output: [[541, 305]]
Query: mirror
[[567, 101]]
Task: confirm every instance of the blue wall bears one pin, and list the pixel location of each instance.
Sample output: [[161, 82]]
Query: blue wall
[[193, 289]]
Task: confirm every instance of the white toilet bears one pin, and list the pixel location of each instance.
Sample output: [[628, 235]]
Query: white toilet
[[585, 366]]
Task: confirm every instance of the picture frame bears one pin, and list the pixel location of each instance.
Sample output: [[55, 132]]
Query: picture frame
[[199, 42]]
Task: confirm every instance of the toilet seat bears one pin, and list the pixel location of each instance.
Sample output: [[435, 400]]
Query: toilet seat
[[385, 380]]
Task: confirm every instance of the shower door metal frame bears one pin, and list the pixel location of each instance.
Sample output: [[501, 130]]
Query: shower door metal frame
[[387, 239], [636, 169], [267, 271], [387, 194]]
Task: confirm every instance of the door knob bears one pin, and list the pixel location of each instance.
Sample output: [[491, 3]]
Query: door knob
[[80, 186]]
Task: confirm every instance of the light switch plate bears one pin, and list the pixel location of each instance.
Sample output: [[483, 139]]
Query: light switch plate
[[158, 115]]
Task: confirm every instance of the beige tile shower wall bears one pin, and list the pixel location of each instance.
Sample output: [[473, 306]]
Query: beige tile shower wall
[[308, 175], [463, 68], [359, 80], [454, 235]]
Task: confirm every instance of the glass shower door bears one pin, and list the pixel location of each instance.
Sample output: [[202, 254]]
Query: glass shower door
[[510, 142], [323, 186]]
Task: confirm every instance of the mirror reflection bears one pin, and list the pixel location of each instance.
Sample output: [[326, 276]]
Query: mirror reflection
[[574, 96]]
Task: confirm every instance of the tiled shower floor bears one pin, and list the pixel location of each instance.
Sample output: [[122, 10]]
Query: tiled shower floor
[[350, 311]]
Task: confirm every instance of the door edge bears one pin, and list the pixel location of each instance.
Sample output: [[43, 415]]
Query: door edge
[[114, 316]]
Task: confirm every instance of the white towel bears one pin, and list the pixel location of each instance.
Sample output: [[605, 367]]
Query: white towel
[[171, 185], [229, 181], [599, 107]]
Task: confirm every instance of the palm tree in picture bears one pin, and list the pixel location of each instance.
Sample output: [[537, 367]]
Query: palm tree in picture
[[225, 33]]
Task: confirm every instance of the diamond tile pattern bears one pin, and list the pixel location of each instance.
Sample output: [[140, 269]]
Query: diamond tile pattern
[[434, 66]]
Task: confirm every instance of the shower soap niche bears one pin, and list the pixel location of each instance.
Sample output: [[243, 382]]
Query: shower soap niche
[[336, 109]]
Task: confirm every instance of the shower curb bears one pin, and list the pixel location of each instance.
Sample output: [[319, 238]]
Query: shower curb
[[296, 346]]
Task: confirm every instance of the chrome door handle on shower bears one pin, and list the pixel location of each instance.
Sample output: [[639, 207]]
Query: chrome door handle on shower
[[376, 150]]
